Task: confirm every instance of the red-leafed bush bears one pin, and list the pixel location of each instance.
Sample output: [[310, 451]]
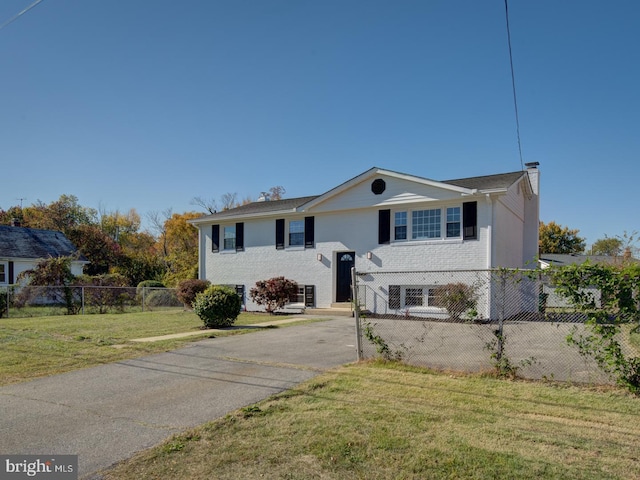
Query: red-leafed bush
[[273, 293], [188, 289]]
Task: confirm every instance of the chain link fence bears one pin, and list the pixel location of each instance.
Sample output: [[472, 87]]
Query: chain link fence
[[34, 301], [473, 321]]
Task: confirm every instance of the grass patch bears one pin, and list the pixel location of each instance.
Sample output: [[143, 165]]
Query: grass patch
[[386, 421], [36, 347]]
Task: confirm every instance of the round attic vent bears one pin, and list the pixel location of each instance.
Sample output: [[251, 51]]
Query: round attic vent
[[378, 186]]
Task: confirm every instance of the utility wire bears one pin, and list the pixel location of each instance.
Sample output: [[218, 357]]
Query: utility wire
[[16, 16], [513, 83]]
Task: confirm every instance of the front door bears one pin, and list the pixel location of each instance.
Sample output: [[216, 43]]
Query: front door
[[345, 262]]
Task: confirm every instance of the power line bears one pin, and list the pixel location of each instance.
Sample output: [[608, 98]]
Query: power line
[[513, 83], [19, 14]]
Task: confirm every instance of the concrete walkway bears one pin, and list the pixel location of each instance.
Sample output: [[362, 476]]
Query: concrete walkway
[[274, 323], [105, 414]]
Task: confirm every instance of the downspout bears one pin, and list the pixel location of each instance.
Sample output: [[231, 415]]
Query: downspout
[[202, 254], [490, 232]]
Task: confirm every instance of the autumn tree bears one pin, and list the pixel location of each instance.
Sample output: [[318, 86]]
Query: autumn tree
[[181, 241], [555, 238], [51, 277], [7, 217], [99, 248], [63, 215], [117, 224]]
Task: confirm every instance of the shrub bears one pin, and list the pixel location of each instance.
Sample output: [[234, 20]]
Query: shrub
[[457, 298], [217, 306], [105, 291], [3, 302], [148, 284], [188, 289], [165, 297], [273, 293]]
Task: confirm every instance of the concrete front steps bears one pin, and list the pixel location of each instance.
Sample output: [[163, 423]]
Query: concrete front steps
[[337, 310]]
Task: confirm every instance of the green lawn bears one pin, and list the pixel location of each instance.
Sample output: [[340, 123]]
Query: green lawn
[[39, 346], [386, 421]]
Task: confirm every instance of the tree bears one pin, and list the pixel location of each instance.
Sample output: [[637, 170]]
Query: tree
[[116, 224], [63, 215], [276, 193], [208, 204], [99, 248], [609, 246], [229, 201], [273, 293], [180, 241], [558, 239], [7, 217], [53, 278]]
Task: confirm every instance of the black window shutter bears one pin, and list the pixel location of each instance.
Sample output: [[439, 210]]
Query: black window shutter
[[240, 292], [470, 220], [280, 233], [239, 237], [309, 295], [215, 238], [309, 232], [11, 273], [384, 226], [394, 297]]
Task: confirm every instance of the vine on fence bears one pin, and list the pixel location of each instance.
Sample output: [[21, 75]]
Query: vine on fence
[[610, 297], [382, 347]]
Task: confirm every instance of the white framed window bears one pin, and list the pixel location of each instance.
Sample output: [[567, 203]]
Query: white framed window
[[229, 237], [428, 224], [296, 233], [400, 226], [4, 273], [454, 222], [412, 296]]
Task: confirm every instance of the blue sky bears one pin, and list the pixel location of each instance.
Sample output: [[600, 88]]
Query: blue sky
[[146, 104]]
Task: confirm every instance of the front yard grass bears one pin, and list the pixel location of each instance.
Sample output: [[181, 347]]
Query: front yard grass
[[387, 421], [40, 346]]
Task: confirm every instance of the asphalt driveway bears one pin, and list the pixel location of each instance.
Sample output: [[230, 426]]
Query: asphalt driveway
[[105, 414]]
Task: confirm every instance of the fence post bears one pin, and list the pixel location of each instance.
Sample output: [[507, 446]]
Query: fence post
[[356, 310], [503, 282], [83, 300], [143, 292]]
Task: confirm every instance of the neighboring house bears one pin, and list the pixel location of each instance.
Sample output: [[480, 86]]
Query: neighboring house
[[546, 260], [379, 221], [22, 248]]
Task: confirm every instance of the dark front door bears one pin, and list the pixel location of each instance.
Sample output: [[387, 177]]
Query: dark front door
[[346, 260]]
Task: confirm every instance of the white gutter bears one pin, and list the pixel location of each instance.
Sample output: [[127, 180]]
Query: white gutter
[[490, 232]]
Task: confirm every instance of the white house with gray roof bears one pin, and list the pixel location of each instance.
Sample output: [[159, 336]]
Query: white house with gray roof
[[22, 248], [378, 221]]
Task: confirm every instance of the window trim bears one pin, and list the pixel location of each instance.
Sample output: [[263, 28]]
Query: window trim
[[226, 248], [409, 216], [5, 264], [398, 298], [301, 224]]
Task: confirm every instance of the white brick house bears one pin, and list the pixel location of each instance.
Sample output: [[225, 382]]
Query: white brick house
[[380, 220]]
